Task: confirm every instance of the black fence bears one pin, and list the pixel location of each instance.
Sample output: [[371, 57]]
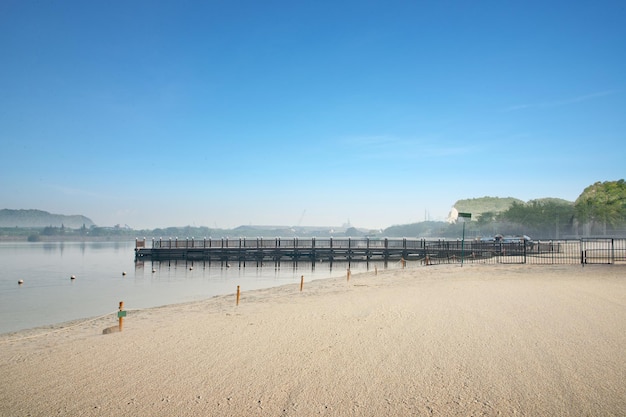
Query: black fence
[[569, 251]]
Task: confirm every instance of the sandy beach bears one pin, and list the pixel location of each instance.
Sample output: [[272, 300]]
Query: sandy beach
[[481, 340]]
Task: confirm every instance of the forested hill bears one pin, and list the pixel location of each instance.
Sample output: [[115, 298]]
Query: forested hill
[[39, 218], [478, 206]]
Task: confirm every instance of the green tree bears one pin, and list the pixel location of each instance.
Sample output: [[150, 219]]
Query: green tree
[[353, 232], [50, 231], [486, 218], [542, 218], [602, 205]]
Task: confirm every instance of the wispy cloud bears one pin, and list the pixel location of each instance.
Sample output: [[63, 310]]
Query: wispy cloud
[[563, 102], [386, 147]]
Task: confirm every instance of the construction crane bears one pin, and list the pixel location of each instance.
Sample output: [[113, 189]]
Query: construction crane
[[293, 229], [301, 217]]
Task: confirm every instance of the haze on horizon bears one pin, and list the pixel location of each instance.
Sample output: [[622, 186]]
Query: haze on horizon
[[221, 114]]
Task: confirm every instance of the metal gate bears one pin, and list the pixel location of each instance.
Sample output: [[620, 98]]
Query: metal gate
[[512, 253], [602, 251]]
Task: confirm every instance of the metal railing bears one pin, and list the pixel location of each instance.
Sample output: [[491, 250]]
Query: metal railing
[[566, 251]]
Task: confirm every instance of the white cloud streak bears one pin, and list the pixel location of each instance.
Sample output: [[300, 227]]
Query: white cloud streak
[[385, 147], [563, 102]]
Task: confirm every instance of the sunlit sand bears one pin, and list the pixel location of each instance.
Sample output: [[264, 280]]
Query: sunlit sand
[[428, 340]]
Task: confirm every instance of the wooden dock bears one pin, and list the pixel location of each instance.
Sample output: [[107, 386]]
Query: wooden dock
[[309, 249], [261, 250]]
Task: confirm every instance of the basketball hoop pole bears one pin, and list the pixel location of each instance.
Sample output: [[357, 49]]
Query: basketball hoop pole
[[464, 216]]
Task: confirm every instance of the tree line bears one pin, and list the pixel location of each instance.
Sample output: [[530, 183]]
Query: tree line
[[600, 210]]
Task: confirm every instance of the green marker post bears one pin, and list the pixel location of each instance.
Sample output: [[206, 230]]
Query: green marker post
[[120, 315]]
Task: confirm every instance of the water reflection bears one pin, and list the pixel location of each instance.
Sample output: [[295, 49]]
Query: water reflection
[[141, 263]]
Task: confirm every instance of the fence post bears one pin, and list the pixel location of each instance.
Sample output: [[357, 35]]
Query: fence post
[[582, 256], [551, 246], [386, 250], [612, 251], [405, 252]]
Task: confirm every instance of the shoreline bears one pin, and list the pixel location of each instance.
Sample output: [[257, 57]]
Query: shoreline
[[437, 340], [36, 331], [43, 330]]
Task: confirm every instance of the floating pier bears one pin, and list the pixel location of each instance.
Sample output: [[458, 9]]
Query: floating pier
[[261, 250], [310, 249]]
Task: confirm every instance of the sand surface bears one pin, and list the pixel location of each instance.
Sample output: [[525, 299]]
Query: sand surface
[[442, 340]]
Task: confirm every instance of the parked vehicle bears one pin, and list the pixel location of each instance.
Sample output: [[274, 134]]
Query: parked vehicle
[[500, 244], [515, 239]]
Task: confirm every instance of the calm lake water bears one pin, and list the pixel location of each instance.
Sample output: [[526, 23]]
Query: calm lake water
[[49, 296]]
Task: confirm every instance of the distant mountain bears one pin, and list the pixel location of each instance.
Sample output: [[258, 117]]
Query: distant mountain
[[39, 218]]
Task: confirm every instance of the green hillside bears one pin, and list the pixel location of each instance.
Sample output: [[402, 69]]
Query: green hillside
[[478, 206]]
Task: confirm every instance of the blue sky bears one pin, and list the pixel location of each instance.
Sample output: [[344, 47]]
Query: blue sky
[[228, 113]]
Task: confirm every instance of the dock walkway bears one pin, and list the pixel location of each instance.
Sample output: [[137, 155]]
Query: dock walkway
[[572, 251], [310, 249]]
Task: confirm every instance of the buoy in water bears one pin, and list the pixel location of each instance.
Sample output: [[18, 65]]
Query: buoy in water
[[153, 270], [124, 273], [191, 268], [73, 277], [20, 281]]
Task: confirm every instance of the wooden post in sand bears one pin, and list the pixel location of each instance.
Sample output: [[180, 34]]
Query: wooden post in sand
[[403, 262], [301, 282], [238, 292], [348, 274], [375, 270], [120, 315]]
